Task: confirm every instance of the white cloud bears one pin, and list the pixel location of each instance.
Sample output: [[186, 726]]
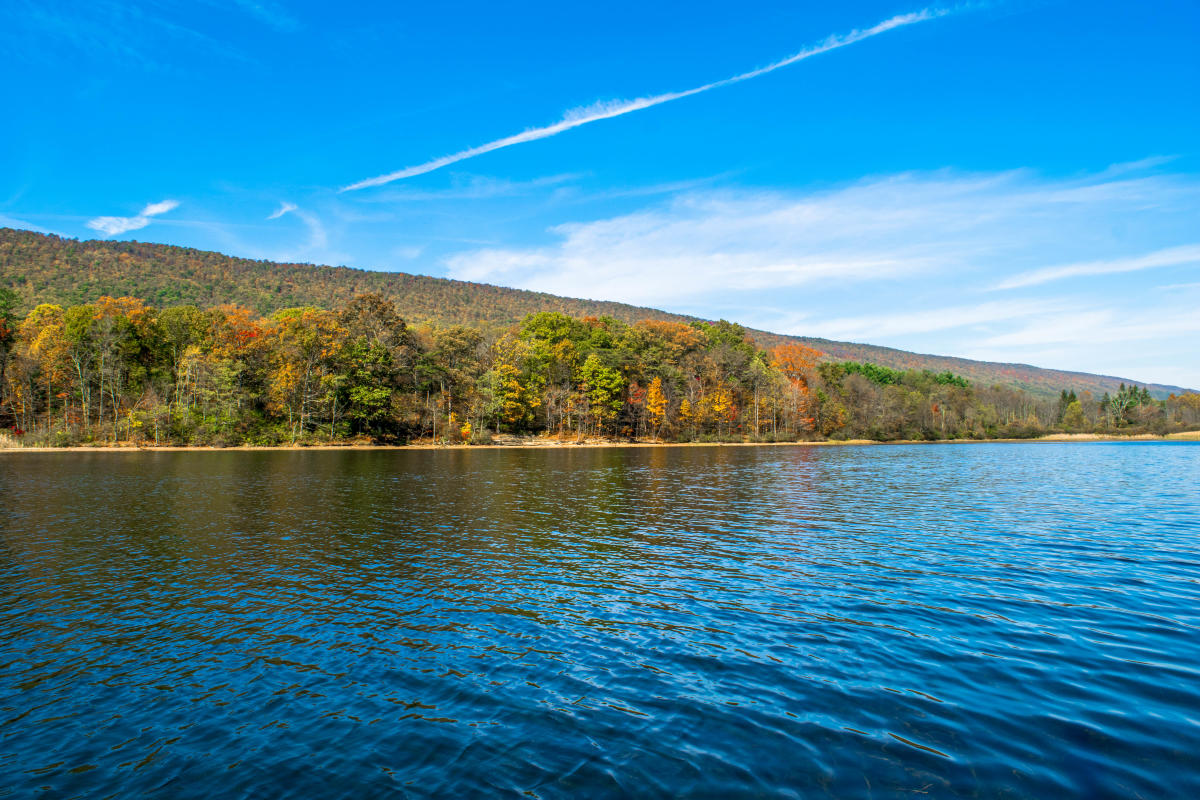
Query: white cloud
[[615, 108], [871, 328], [907, 261], [715, 243], [284, 208], [1150, 343], [318, 238], [113, 226], [316, 249], [154, 209], [1170, 257], [1099, 326], [476, 187]]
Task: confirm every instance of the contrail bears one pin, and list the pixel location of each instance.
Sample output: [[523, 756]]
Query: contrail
[[617, 108]]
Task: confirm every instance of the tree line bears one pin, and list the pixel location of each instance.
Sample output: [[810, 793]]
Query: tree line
[[43, 268], [119, 370]]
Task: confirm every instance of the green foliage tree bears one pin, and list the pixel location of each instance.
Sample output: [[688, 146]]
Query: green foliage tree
[[604, 387], [1072, 418], [8, 326]]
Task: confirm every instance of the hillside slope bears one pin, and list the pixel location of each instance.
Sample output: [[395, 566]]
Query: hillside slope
[[49, 269]]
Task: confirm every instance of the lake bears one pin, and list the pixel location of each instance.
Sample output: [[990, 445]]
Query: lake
[[999, 620]]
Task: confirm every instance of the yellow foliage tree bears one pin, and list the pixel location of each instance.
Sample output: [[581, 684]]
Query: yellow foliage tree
[[306, 344], [717, 405], [43, 341], [656, 404]]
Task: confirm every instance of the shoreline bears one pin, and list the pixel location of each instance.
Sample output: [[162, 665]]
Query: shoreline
[[538, 443]]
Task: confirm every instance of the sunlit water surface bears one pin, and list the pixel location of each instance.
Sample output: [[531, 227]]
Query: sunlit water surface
[[982, 621]]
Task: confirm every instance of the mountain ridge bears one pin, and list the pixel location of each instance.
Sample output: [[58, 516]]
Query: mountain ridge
[[48, 268]]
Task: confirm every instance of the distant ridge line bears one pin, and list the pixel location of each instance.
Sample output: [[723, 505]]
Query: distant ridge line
[[45, 268]]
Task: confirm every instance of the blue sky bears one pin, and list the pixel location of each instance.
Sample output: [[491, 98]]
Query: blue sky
[[1015, 181]]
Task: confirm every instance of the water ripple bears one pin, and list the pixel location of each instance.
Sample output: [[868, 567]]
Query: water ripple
[[999, 621]]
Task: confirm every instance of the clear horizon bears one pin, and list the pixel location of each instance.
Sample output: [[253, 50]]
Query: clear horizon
[[1011, 181]]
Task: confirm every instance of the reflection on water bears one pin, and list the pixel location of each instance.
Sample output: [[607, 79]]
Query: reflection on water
[[998, 620]]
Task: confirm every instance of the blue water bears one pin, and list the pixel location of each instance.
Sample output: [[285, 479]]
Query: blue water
[[1000, 620]]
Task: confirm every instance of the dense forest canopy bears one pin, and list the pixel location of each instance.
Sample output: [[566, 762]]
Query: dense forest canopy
[[43, 268], [119, 369]]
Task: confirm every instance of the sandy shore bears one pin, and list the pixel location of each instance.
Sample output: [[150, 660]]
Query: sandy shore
[[548, 443], [1185, 436]]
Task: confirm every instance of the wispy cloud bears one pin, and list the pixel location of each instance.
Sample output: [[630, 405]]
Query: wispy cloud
[[162, 207], [318, 237], [929, 320], [408, 253], [149, 34], [1105, 337], [1169, 257], [1098, 326], [712, 246], [113, 226], [284, 208], [616, 108], [315, 249], [269, 13], [670, 187], [476, 187], [1146, 342], [20, 224], [904, 260]]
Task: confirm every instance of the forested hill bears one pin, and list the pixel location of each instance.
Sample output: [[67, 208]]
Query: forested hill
[[44, 268]]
